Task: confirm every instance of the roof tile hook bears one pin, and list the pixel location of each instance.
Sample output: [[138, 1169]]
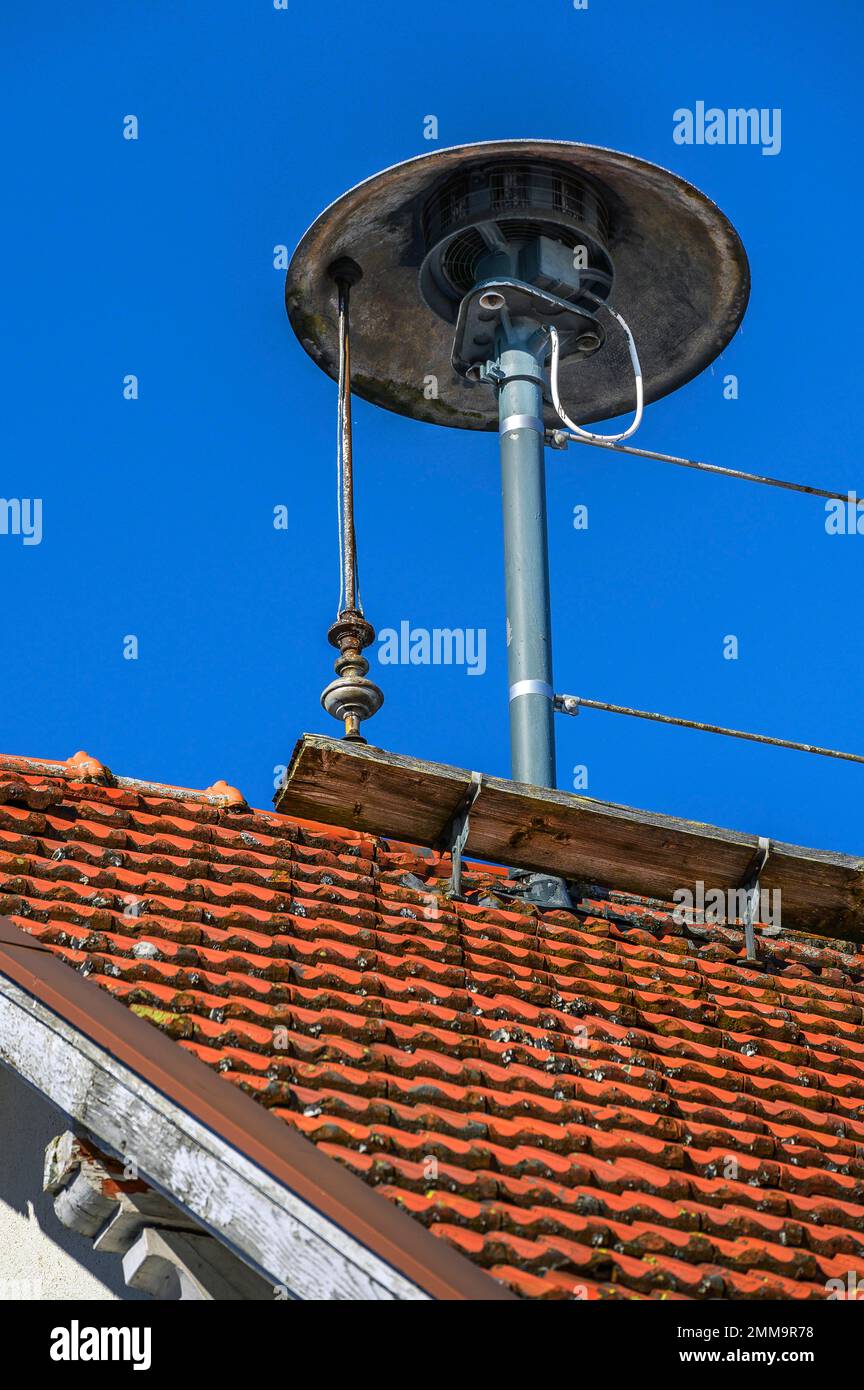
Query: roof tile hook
[[750, 885]]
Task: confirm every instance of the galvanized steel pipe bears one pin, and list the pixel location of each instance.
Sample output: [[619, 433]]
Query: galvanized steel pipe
[[526, 566]]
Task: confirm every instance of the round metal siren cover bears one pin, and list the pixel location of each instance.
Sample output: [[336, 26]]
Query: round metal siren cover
[[681, 281]]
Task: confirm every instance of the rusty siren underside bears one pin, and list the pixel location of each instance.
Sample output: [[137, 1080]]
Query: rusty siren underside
[[681, 281]]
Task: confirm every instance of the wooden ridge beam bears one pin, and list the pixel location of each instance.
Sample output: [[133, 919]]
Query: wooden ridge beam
[[363, 788]]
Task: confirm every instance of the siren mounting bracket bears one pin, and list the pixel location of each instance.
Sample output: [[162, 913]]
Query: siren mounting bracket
[[493, 304]]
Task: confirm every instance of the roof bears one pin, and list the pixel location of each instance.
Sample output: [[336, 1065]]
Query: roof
[[575, 837], [601, 1103]]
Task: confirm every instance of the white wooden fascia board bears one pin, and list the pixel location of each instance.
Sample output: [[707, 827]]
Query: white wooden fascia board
[[286, 1239]]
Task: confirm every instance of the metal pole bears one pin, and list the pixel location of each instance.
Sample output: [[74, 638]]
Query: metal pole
[[523, 484]]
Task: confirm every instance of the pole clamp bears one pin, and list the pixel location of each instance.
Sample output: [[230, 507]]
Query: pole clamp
[[491, 373], [531, 688], [522, 422], [557, 439], [566, 704]]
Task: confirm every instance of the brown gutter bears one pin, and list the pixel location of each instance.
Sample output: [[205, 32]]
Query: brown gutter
[[242, 1123]]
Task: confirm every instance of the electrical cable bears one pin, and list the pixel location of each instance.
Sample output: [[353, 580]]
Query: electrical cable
[[569, 704], [587, 436], [613, 441]]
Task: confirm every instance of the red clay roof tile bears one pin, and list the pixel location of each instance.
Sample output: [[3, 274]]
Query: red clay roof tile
[[596, 1104]]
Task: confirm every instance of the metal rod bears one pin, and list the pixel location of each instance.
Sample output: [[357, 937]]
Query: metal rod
[[705, 467], [526, 565], [571, 704], [348, 601], [351, 697]]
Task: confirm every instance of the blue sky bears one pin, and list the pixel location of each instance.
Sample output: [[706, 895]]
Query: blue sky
[[155, 257]]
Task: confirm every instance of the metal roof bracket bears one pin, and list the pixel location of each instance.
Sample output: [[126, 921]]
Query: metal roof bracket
[[455, 833], [750, 885]]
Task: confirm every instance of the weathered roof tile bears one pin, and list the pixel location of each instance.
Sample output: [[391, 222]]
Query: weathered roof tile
[[597, 1104]]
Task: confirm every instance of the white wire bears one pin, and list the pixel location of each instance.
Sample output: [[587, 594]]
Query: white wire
[[637, 372]]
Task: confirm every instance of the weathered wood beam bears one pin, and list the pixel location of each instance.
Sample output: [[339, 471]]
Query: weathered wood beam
[[577, 837], [165, 1253], [132, 1212], [189, 1267], [93, 1196]]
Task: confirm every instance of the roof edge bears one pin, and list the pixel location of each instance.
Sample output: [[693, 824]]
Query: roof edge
[[82, 767], [280, 1170], [366, 789]]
